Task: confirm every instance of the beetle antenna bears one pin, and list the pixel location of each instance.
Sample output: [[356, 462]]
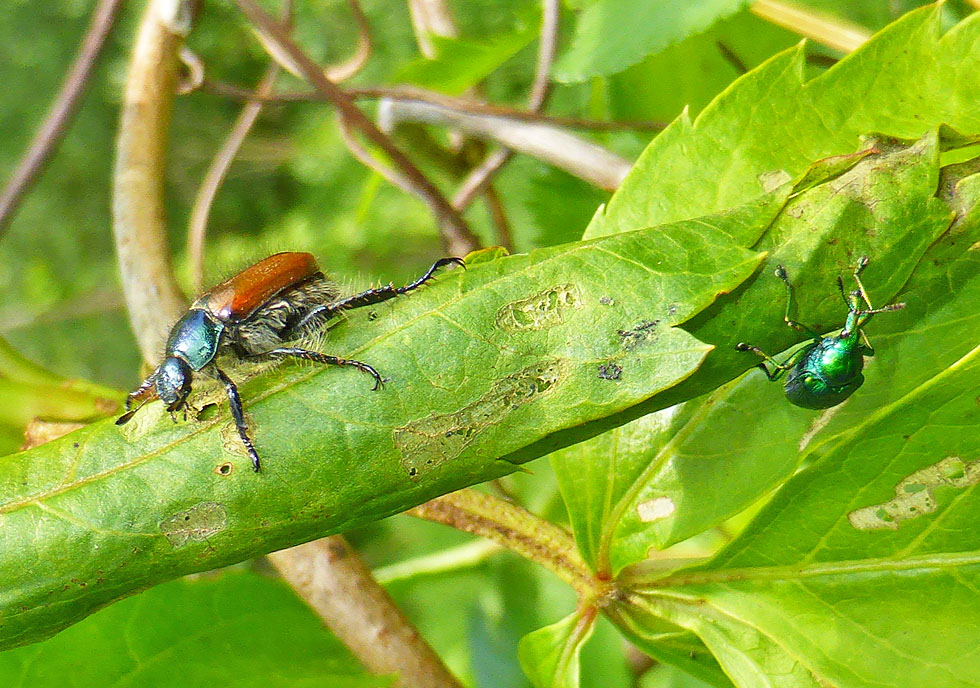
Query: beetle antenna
[[125, 418], [883, 309], [862, 292]]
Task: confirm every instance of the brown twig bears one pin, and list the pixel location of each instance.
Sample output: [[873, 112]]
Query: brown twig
[[345, 70], [499, 217], [477, 180], [338, 72], [139, 215], [332, 580], [206, 193], [457, 236], [61, 112], [413, 94]]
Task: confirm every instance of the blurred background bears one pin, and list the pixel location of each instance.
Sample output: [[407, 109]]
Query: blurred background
[[294, 185]]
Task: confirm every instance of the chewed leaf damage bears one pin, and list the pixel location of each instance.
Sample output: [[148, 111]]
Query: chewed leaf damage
[[427, 443], [915, 495], [540, 311], [195, 524]]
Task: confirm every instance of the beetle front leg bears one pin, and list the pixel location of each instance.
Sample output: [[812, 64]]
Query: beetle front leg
[[779, 369], [238, 414]]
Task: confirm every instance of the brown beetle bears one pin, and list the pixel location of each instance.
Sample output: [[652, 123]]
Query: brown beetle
[[277, 300]]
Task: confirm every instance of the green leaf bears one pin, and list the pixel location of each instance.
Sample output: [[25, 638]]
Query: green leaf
[[654, 482], [202, 632], [461, 64], [664, 676], [907, 80], [550, 655], [612, 35], [866, 563], [494, 361]]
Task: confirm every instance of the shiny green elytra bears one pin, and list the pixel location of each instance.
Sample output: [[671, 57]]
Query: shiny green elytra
[[826, 371]]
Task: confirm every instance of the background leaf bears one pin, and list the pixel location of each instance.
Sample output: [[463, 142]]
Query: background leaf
[[550, 655], [611, 35], [225, 629]]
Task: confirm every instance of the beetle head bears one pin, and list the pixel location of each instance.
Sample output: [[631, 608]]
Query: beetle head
[[173, 382]]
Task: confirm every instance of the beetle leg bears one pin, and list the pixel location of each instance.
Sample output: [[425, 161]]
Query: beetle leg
[[317, 357], [238, 414], [371, 296], [866, 348], [798, 326], [862, 264], [778, 369]]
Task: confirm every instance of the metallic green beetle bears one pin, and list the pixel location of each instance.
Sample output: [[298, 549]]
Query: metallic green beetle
[[826, 371]]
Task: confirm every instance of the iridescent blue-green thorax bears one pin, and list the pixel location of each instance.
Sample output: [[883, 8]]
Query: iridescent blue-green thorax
[[195, 338]]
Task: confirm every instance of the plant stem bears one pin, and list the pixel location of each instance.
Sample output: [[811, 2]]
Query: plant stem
[[519, 530], [62, 110], [330, 577], [829, 31], [139, 214]]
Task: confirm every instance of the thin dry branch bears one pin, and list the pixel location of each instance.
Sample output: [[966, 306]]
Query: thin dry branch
[[476, 182], [411, 94], [824, 29], [553, 145], [332, 580], [139, 217], [61, 112], [206, 193], [458, 239]]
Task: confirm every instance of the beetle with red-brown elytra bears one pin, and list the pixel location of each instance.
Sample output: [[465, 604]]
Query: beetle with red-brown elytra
[[280, 299]]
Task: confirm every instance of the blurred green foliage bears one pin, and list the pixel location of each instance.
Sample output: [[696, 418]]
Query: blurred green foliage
[[295, 187]]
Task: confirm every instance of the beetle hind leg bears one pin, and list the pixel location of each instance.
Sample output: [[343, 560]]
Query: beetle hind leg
[[389, 291]]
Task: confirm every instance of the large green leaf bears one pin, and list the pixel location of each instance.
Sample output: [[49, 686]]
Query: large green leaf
[[656, 481], [875, 546], [221, 630], [489, 362], [905, 81]]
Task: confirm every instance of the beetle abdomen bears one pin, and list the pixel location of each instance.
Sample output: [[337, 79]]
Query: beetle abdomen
[[286, 316], [805, 389]]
